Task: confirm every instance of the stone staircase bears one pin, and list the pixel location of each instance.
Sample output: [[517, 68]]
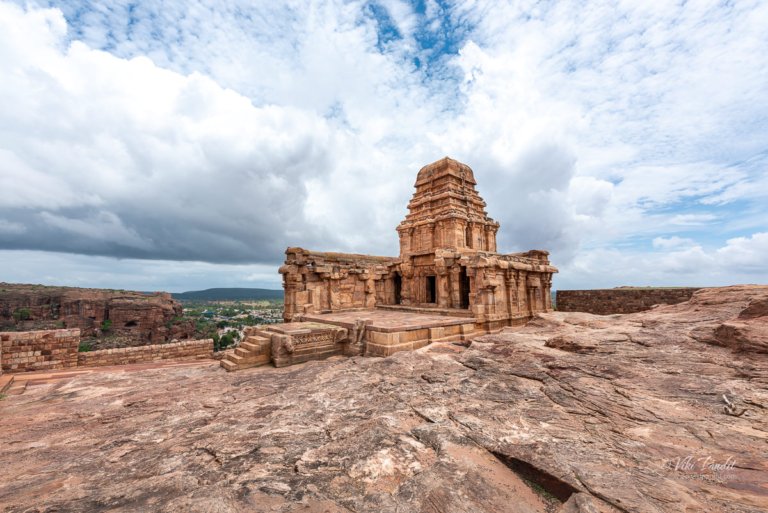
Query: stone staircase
[[252, 352]]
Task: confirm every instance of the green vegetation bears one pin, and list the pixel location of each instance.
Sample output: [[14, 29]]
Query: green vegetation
[[224, 321], [22, 314], [85, 346], [224, 341], [541, 491], [106, 325]]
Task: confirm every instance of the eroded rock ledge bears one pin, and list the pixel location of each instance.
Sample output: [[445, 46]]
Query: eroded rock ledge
[[137, 318], [662, 410]]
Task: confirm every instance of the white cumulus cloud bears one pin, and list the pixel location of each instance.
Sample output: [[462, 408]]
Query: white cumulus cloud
[[628, 139]]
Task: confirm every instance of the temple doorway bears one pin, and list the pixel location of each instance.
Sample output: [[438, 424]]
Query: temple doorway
[[463, 288], [431, 289], [398, 283]]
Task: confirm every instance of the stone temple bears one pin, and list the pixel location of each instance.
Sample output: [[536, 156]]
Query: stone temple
[[448, 282]]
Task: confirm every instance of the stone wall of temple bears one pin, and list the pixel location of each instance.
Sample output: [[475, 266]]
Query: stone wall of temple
[[620, 300], [509, 289], [316, 282]]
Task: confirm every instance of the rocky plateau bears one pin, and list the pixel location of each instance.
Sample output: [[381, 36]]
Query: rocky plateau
[[134, 318], [657, 411]]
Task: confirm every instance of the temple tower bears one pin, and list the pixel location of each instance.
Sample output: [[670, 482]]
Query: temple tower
[[446, 212]]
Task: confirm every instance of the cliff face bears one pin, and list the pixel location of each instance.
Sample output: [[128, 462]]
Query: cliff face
[[135, 317]]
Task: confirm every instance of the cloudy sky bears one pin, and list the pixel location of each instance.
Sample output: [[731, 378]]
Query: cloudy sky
[[162, 145]]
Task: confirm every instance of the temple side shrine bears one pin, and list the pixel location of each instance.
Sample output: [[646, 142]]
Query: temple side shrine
[[447, 284]]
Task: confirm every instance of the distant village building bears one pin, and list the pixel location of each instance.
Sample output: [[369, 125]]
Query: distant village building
[[448, 263]]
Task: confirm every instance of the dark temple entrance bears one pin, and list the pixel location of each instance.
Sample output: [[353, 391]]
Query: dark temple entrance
[[463, 288], [431, 290], [398, 283]]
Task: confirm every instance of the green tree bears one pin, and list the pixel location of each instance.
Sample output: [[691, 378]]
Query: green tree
[[22, 314], [227, 340]]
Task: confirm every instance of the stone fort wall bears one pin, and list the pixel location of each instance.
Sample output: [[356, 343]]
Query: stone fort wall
[[39, 350], [621, 300], [58, 349], [186, 350]]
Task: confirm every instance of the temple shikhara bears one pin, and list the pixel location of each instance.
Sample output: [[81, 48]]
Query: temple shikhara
[[448, 282]]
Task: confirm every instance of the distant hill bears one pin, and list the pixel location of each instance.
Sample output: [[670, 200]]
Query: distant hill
[[233, 294]]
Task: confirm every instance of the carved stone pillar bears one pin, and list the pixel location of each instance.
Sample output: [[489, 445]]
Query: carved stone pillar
[[522, 293], [547, 290], [432, 236], [333, 295], [482, 300], [470, 235], [455, 287], [325, 301], [289, 301], [531, 292], [370, 292], [292, 285], [406, 289], [442, 287], [510, 291]]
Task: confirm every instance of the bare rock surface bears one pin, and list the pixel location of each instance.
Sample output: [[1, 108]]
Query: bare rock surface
[[649, 412]]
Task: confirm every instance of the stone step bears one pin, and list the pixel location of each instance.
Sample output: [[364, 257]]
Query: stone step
[[256, 339], [250, 358], [233, 364], [229, 366], [244, 352], [260, 336], [238, 359], [250, 346], [451, 312]]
